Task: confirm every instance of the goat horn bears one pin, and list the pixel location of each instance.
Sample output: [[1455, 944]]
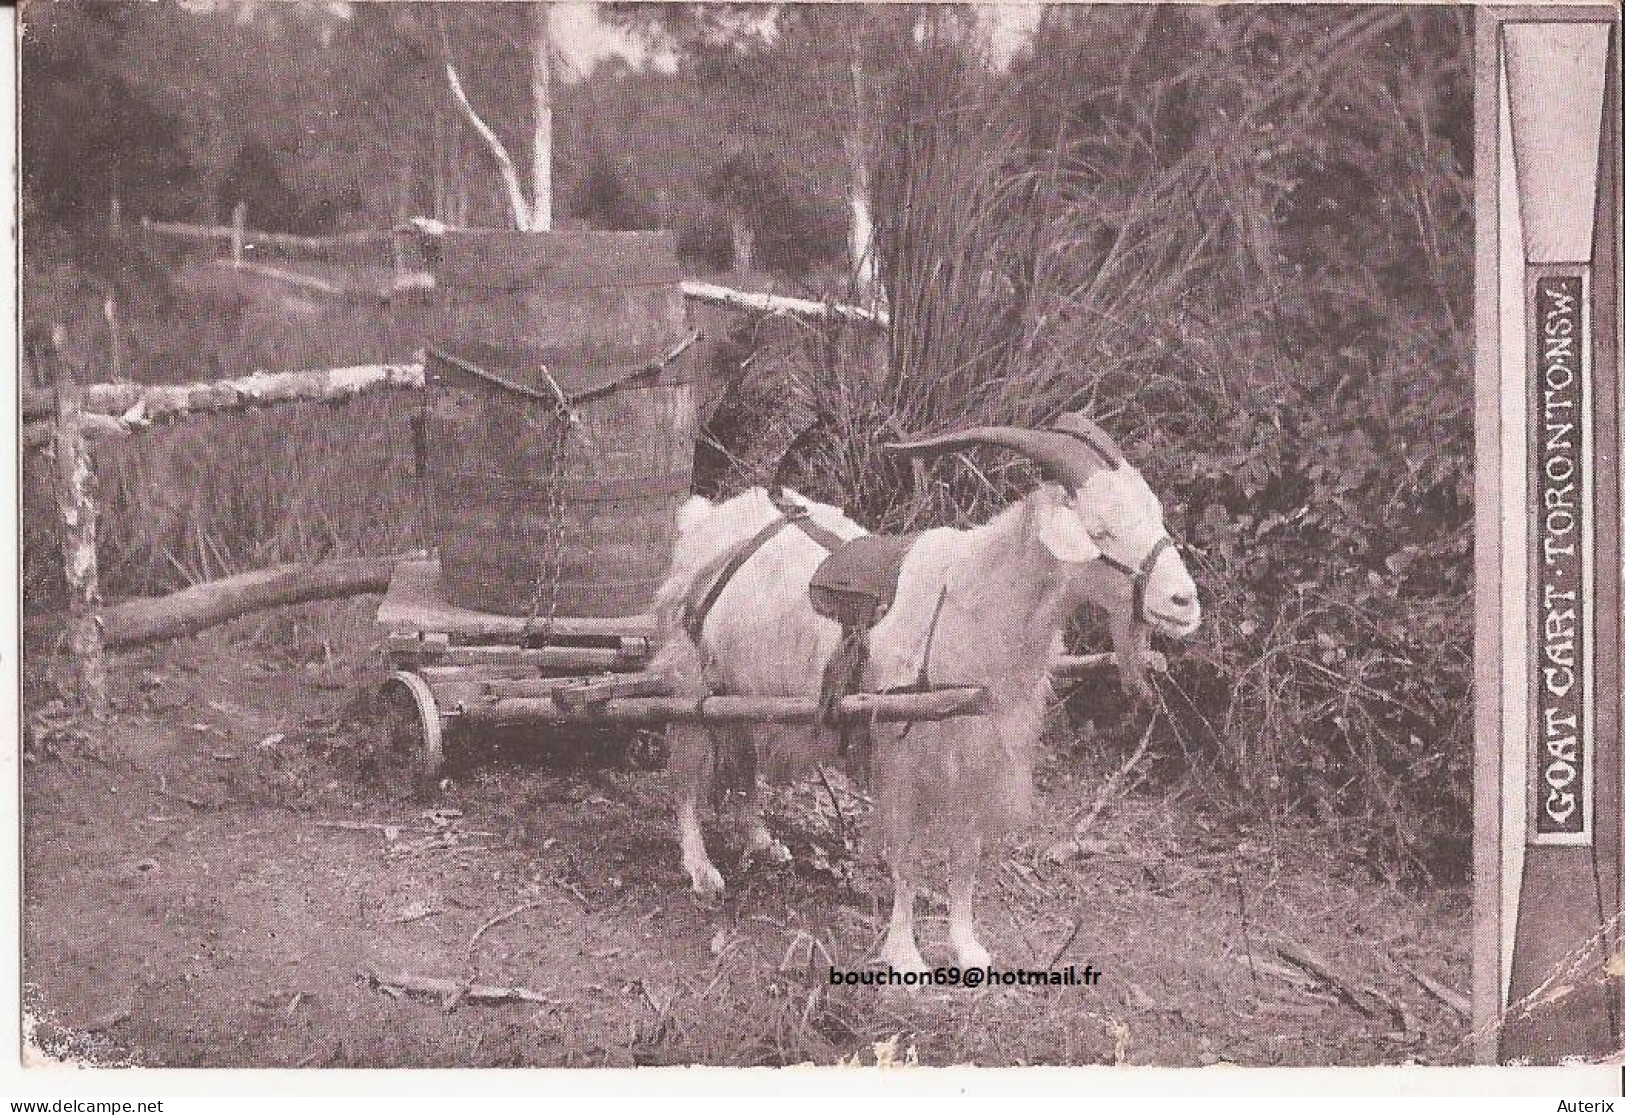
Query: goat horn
[[1074, 425], [1054, 453]]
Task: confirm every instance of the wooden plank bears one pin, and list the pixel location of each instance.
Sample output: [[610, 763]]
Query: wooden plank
[[579, 694], [941, 704], [566, 691], [415, 603], [480, 675]]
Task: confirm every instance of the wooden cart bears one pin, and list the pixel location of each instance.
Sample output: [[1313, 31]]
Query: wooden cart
[[458, 671]]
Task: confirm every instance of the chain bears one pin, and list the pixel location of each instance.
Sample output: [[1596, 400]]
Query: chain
[[419, 422], [553, 564]]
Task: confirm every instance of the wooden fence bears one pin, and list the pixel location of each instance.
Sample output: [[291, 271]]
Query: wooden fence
[[241, 238], [63, 418]]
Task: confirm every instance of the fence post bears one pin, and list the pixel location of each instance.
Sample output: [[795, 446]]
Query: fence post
[[239, 222], [76, 503]]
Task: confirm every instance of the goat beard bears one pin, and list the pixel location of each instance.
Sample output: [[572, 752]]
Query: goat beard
[[1131, 640]]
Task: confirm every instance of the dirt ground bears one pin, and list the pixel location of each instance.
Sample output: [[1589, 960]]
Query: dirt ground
[[201, 887]]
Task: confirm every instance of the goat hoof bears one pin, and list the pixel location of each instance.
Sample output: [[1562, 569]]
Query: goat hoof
[[974, 955], [904, 959], [707, 881]]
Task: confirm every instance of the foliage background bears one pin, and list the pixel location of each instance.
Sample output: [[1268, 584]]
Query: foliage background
[[1238, 236]]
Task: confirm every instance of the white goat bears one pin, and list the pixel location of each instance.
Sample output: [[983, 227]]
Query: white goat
[[1093, 531]]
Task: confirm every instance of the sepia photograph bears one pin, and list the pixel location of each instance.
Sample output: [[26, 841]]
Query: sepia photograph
[[615, 535]]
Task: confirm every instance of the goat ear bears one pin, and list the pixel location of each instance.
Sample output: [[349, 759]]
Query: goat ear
[[1064, 536]]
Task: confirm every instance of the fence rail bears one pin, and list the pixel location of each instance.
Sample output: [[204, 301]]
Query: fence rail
[[226, 233], [240, 237], [115, 409]]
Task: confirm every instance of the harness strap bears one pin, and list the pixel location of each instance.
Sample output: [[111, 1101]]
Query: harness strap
[[1142, 575], [843, 673], [722, 570], [798, 514], [1139, 576]]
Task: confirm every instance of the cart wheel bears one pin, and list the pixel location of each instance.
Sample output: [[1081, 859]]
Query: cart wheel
[[412, 718]]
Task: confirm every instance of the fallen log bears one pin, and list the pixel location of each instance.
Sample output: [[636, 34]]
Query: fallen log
[[451, 991], [154, 618]]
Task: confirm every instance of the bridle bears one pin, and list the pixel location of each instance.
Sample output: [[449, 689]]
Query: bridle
[[1141, 576]]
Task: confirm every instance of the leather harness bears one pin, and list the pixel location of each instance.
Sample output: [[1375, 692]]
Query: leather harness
[[1141, 576], [855, 586]]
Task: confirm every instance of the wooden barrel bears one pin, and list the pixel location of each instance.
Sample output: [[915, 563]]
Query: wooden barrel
[[559, 427]]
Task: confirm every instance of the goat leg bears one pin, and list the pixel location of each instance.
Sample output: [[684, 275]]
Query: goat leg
[[899, 950], [691, 768], [967, 859], [747, 815]]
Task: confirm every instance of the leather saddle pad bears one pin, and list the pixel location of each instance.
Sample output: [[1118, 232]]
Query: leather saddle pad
[[857, 583]]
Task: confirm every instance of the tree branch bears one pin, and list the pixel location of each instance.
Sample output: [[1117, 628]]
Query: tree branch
[[505, 165]]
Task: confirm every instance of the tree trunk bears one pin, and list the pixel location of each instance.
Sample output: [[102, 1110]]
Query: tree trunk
[[541, 93], [860, 243]]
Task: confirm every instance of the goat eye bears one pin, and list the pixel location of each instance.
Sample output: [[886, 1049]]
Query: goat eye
[[1099, 534]]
